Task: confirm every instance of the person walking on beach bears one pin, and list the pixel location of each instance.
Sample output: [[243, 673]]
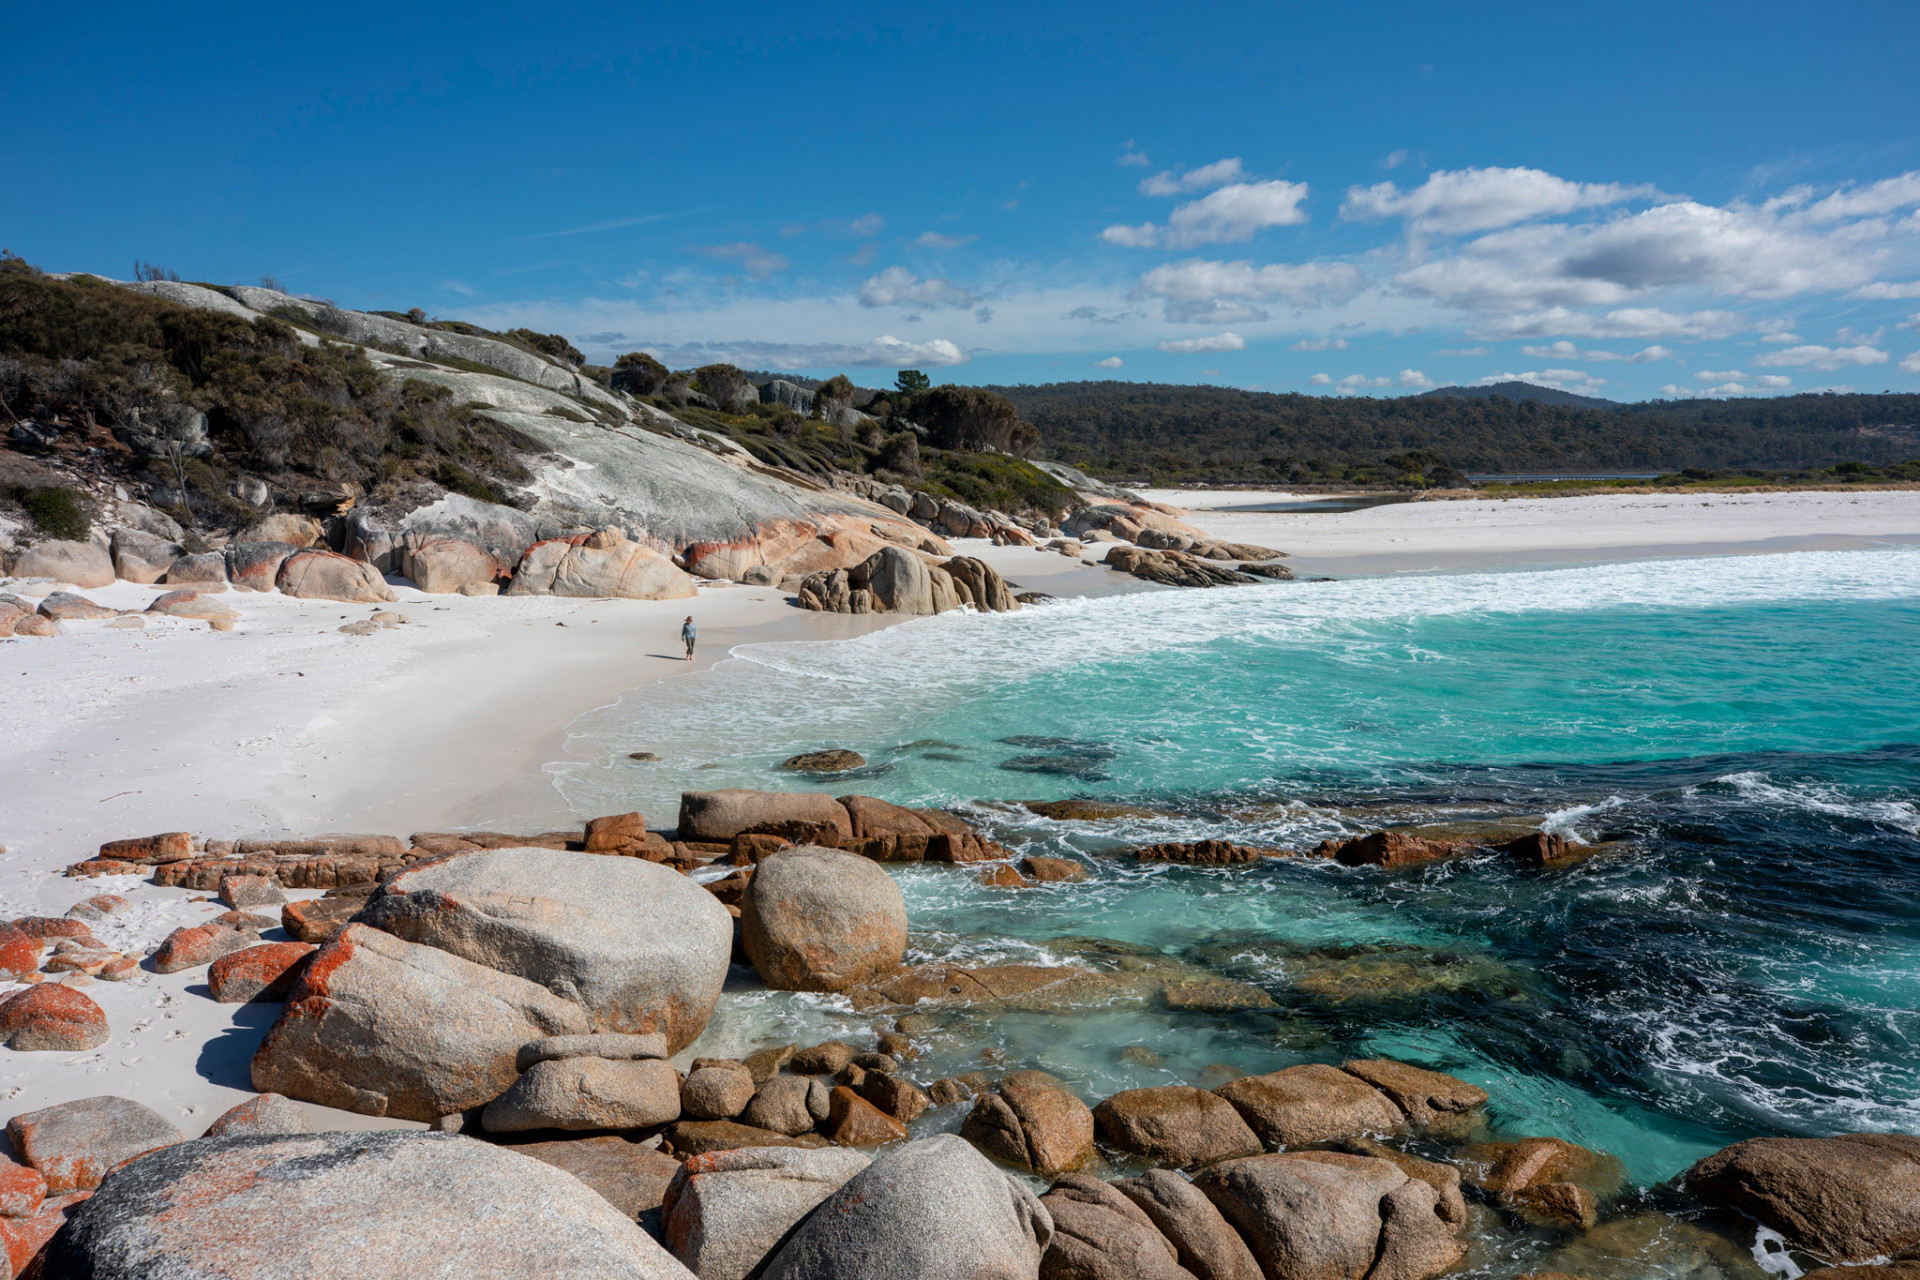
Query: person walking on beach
[[689, 633]]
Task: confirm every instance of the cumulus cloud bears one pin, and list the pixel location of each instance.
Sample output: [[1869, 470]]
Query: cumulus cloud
[[1111, 362], [755, 261], [884, 352], [1197, 290], [1219, 342], [1623, 322], [1578, 381], [1465, 351], [1564, 350], [1451, 202], [1825, 359], [1413, 378], [1889, 195], [1911, 364], [868, 225], [1320, 344], [1320, 379], [897, 286], [1354, 383], [1773, 381], [1881, 289], [934, 240], [1231, 214], [1217, 174]]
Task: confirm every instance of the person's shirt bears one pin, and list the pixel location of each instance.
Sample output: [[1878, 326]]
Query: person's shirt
[[687, 632]]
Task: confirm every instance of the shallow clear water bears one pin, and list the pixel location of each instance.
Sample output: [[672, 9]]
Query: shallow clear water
[[1743, 959]]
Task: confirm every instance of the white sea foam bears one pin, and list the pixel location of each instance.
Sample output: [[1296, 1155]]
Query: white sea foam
[[1816, 797]]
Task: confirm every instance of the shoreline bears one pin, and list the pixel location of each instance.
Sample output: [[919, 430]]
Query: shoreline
[[286, 726]]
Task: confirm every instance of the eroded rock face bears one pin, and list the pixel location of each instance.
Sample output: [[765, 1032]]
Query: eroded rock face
[[587, 1093], [367, 1204], [1033, 1122], [630, 1177], [84, 564], [599, 565], [141, 557], [639, 946], [1325, 1216], [1100, 1234], [1303, 1105], [725, 1211], [1849, 1198], [256, 565], [322, 575], [386, 1027], [816, 919], [1175, 1125], [264, 1115], [1203, 1241], [1391, 849], [719, 816], [52, 1018], [787, 1105], [74, 1144], [266, 972], [1426, 1098], [935, 1209]]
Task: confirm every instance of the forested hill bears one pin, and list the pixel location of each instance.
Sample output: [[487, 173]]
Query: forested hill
[[1151, 431]]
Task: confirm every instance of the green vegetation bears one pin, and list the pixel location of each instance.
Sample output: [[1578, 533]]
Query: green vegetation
[[95, 356], [1149, 433], [57, 511], [993, 480], [1702, 480]]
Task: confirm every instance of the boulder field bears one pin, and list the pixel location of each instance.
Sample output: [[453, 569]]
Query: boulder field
[[526, 997]]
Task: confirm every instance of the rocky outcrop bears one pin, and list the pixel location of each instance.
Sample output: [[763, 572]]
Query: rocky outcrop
[[84, 564], [1100, 1234], [51, 1018], [386, 1027], [934, 1209], [719, 816], [638, 946], [1174, 1125], [1546, 1179], [1303, 1105], [256, 565], [599, 565], [1428, 1099], [816, 919], [726, 1211], [297, 531], [716, 1090], [141, 557], [1179, 569], [787, 1105], [1203, 1241], [888, 583], [587, 1093], [322, 575], [1388, 849], [265, 1115], [1033, 1122], [351, 1204], [75, 1144], [1848, 1199], [630, 1177], [1325, 1216]]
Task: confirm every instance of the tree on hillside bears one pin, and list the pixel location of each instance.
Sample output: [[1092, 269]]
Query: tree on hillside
[[972, 418], [911, 380], [638, 374], [727, 387]]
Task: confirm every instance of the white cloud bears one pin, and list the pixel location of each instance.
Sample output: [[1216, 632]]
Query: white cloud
[[1198, 289], [1911, 322], [1773, 381], [1889, 195], [1881, 289], [1320, 344], [1217, 174], [934, 240], [1231, 214], [1465, 351], [1413, 378], [1111, 362], [1575, 380], [1564, 350], [1129, 155], [868, 225], [1624, 322], [1219, 342], [1825, 359], [1480, 199], [1320, 379], [461, 289], [755, 261], [897, 286], [884, 352], [1706, 375], [1394, 159], [1354, 383], [1911, 364]]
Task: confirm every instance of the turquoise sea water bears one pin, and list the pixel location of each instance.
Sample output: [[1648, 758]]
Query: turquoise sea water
[[1744, 732]]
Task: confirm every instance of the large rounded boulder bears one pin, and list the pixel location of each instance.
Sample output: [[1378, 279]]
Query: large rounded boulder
[[1850, 1199], [638, 945], [816, 919], [385, 1204]]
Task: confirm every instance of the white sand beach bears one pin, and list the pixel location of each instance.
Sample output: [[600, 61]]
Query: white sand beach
[[285, 725]]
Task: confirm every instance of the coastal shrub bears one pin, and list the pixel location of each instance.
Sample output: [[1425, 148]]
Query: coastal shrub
[[58, 512], [995, 480], [638, 374], [970, 418], [551, 345]]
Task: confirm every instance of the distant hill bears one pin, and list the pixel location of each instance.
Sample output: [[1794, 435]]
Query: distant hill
[[1523, 391], [1138, 433]]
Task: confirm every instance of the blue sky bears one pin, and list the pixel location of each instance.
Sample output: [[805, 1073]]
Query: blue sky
[[1629, 200]]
